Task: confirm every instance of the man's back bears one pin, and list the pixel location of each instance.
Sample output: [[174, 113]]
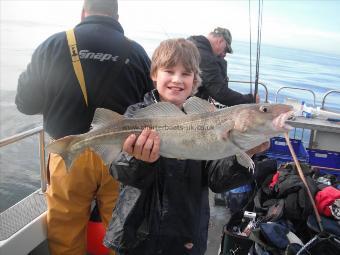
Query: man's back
[[116, 72]]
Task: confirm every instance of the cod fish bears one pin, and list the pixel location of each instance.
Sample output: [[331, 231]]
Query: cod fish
[[199, 132]]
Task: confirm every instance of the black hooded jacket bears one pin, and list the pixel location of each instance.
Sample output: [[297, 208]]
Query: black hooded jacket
[[116, 72], [214, 76], [183, 188]]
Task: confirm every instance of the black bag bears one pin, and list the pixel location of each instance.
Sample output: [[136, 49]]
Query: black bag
[[326, 242], [233, 243], [132, 218], [237, 198]]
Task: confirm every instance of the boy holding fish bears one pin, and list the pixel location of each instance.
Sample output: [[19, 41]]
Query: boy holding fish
[[180, 225]]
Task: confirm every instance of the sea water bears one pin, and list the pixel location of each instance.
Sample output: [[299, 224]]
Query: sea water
[[19, 163]]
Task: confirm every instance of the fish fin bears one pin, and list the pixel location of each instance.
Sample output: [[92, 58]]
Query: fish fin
[[62, 147], [224, 129], [107, 152], [69, 158], [195, 105], [161, 109], [244, 160], [105, 117]]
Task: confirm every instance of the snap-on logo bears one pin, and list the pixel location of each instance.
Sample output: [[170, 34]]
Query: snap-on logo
[[86, 54]]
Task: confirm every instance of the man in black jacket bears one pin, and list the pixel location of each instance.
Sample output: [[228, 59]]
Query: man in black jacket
[[213, 49], [116, 74]]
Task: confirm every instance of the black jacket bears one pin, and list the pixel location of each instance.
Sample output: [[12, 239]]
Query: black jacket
[[214, 76], [116, 72], [183, 188]]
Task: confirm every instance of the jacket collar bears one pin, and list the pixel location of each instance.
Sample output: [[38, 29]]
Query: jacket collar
[[151, 97], [98, 19], [201, 42]]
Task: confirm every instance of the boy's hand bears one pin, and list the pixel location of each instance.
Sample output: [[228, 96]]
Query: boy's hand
[[145, 147], [257, 99], [279, 123]]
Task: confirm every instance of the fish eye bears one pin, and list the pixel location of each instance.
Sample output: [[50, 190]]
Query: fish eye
[[263, 108]]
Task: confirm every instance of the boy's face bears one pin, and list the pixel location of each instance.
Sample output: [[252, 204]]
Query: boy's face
[[174, 84]]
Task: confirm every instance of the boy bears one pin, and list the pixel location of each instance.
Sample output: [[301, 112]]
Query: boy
[[182, 223]]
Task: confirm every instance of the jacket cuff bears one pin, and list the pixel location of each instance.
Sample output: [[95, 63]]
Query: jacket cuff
[[133, 172]]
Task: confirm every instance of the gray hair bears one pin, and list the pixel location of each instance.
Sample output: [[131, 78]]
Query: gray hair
[[102, 7]]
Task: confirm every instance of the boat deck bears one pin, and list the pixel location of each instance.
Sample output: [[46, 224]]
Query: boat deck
[[19, 215], [219, 216], [325, 134], [315, 124]]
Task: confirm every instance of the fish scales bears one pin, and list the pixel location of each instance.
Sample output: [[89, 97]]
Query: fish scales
[[203, 133]]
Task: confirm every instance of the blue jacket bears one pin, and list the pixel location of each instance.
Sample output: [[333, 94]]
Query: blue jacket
[[116, 72], [183, 190]]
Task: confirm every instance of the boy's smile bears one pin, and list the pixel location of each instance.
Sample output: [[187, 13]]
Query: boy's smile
[[174, 84]]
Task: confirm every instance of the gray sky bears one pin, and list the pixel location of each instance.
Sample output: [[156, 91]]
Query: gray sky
[[307, 24]]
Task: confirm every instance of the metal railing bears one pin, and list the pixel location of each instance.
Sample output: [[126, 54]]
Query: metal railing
[[25, 134], [325, 95], [295, 88], [40, 130], [302, 133], [249, 82]]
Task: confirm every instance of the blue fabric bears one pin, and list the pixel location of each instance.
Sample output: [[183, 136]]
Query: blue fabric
[[275, 234], [331, 226], [241, 189]]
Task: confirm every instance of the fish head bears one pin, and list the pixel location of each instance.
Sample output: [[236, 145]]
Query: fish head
[[264, 118], [254, 124]]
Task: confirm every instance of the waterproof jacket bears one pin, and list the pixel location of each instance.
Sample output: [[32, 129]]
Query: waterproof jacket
[[183, 188], [116, 72], [214, 76]]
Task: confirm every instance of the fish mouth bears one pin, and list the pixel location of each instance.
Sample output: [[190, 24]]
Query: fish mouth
[[282, 109], [279, 124]]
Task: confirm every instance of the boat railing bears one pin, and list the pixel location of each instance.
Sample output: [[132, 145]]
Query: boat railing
[[39, 130], [251, 82], [298, 133], [20, 136], [326, 95], [296, 88]]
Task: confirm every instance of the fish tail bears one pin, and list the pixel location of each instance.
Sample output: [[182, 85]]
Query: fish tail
[[63, 148]]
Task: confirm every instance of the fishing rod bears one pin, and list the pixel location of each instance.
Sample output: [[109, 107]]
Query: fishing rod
[[298, 167], [258, 49], [250, 59]]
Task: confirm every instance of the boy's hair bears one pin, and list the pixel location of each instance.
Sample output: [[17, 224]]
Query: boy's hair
[[174, 51], [102, 7]]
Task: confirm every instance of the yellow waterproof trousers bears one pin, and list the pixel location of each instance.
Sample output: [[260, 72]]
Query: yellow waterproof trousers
[[69, 198]]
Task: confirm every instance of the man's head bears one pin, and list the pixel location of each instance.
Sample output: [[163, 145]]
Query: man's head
[[101, 7], [220, 40], [175, 70]]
